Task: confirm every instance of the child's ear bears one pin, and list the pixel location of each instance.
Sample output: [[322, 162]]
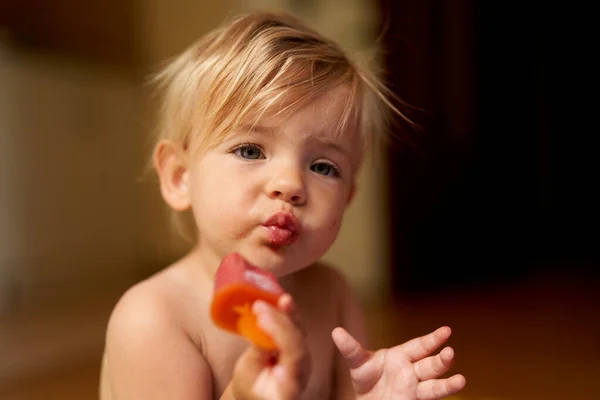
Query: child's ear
[[351, 193], [171, 167]]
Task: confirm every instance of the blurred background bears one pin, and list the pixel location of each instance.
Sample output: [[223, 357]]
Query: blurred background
[[485, 219]]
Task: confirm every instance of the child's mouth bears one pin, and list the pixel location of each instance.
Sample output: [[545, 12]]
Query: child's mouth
[[282, 229], [280, 236]]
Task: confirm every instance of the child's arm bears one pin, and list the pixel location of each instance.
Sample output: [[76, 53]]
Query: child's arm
[[149, 355], [353, 320], [406, 371]]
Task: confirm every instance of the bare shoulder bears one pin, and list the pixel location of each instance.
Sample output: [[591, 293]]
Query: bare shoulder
[[146, 305], [149, 351]]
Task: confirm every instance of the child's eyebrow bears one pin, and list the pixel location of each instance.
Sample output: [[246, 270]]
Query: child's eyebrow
[[265, 130], [332, 144]]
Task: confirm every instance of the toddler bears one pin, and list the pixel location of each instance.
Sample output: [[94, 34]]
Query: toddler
[[263, 127]]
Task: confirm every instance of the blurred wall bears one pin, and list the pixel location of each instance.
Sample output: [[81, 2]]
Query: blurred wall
[[8, 225], [166, 27], [71, 196]]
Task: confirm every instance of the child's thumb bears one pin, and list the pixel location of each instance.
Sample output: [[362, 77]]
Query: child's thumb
[[351, 350]]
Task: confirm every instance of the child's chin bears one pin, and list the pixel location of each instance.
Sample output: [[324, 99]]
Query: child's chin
[[274, 260]]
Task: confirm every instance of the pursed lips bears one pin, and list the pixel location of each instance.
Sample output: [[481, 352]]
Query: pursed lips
[[283, 229]]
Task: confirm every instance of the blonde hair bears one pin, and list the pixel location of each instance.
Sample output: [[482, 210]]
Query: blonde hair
[[259, 62], [253, 63]]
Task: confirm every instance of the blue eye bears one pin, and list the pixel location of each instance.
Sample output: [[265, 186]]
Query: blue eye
[[249, 152], [325, 169]]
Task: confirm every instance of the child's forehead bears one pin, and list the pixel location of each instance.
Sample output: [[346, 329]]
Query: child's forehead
[[319, 124], [322, 116], [299, 128]]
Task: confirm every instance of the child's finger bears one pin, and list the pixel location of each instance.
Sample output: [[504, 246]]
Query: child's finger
[[287, 304], [439, 388], [423, 346], [278, 324], [434, 366], [350, 348], [293, 362]]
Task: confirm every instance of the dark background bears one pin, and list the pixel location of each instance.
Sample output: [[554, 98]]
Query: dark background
[[500, 182]]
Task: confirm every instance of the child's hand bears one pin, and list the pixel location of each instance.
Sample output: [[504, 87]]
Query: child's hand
[[260, 374], [404, 372]]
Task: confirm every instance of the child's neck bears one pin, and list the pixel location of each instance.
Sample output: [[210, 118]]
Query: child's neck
[[203, 263]]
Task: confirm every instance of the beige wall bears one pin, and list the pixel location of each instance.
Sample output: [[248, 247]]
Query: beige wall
[[8, 222], [166, 27], [71, 193]]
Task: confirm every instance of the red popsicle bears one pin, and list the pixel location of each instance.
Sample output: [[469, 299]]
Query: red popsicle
[[238, 284]]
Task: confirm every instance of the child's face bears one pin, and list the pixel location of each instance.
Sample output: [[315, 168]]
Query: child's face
[[276, 193]]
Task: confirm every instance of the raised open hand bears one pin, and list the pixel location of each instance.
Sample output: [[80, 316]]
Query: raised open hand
[[404, 372]]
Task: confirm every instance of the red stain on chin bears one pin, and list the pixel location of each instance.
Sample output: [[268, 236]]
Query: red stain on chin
[[333, 225]]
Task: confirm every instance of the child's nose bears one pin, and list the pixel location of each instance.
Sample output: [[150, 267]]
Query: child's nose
[[287, 185]]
